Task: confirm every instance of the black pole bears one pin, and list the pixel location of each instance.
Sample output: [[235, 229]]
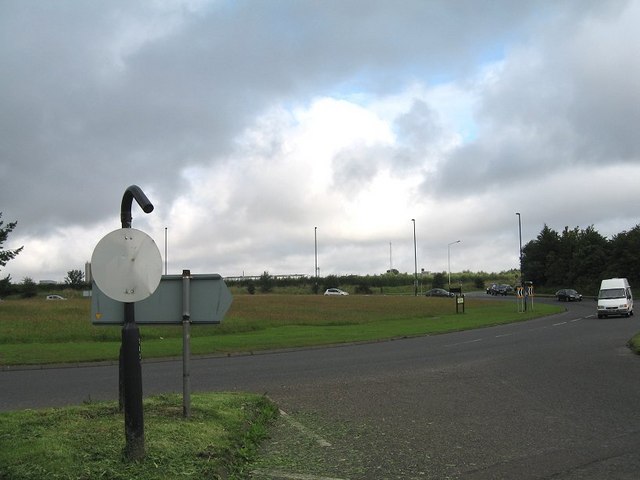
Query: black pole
[[132, 192], [132, 382], [130, 351]]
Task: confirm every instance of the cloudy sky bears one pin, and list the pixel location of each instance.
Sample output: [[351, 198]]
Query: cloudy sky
[[250, 123]]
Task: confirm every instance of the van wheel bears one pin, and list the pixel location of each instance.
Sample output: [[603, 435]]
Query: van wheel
[[599, 316]]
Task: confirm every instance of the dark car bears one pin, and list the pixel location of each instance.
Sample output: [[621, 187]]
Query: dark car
[[438, 292], [568, 295], [499, 289]]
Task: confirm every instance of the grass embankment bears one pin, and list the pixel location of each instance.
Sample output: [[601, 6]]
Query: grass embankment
[[87, 442], [37, 331]]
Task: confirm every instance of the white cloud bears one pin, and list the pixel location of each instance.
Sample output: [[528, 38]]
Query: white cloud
[[248, 124]]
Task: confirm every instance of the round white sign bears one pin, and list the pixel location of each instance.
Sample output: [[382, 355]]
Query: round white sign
[[126, 265]]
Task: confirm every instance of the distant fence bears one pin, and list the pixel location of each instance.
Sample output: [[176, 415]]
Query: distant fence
[[243, 278]]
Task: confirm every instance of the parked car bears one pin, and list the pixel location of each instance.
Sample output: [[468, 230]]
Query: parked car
[[438, 292], [335, 291], [568, 295], [55, 297], [499, 289]]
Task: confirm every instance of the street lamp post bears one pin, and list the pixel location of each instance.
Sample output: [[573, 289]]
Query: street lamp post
[[520, 237], [449, 260], [315, 241], [521, 277], [415, 258]]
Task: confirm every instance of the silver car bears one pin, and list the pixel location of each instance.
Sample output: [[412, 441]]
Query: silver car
[[335, 291]]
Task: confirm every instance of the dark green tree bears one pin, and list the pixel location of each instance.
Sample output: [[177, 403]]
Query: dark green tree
[[589, 260], [75, 279], [266, 282], [5, 286], [6, 255], [623, 258], [478, 282], [28, 288], [538, 254], [581, 258], [439, 280], [331, 281]]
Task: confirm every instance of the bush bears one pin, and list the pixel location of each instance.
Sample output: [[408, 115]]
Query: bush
[[438, 280], [266, 282], [29, 288]]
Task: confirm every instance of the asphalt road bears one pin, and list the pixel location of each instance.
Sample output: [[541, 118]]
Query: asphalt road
[[557, 397]]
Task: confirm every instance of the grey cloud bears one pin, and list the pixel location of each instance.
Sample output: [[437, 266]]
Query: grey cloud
[[555, 105], [99, 95], [76, 97], [354, 168]]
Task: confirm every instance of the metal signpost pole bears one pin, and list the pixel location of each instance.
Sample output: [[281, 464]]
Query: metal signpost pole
[[130, 350], [186, 343]]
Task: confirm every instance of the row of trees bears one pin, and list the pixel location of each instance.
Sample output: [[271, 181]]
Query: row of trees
[[579, 259], [365, 284], [28, 288]]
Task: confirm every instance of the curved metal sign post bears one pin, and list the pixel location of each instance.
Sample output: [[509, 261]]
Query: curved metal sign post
[[127, 267]]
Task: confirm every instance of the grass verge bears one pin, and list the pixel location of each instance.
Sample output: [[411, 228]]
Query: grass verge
[[40, 332], [87, 442], [634, 344]]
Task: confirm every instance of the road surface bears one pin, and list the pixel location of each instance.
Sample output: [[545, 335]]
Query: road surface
[[556, 397]]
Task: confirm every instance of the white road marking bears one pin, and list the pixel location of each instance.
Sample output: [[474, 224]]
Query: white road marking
[[321, 441], [557, 324], [291, 476]]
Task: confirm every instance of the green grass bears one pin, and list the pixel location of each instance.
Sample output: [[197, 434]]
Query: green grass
[[37, 331], [87, 442], [634, 344]]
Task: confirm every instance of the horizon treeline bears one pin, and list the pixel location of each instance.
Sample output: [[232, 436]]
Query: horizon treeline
[[580, 258]]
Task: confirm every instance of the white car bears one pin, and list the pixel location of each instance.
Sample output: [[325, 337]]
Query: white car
[[335, 291], [55, 297]]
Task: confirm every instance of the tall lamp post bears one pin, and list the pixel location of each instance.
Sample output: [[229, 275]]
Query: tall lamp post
[[520, 237], [166, 261], [415, 258], [521, 277], [315, 241], [449, 259]]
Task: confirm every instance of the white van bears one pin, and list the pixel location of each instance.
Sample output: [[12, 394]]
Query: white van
[[615, 298]]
